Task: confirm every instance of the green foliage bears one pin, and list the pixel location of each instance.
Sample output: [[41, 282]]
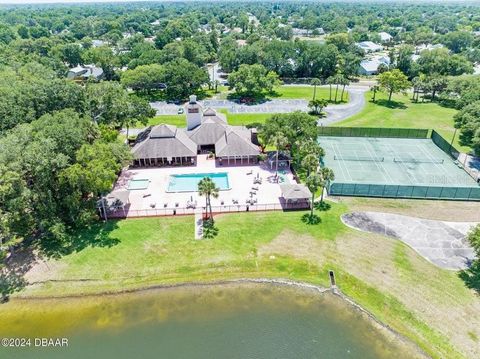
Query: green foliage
[[51, 172], [393, 81], [110, 104], [183, 79], [468, 120], [208, 189], [252, 80], [144, 78], [441, 62], [317, 105]]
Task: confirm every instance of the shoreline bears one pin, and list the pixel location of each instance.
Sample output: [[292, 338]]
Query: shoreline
[[334, 290]]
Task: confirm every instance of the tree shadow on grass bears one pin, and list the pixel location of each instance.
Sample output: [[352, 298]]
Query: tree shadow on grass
[[23, 257], [209, 229], [97, 235], [13, 270], [322, 206], [391, 104], [471, 276], [309, 219]]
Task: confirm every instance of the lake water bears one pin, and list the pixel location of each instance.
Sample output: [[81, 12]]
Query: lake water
[[232, 321]]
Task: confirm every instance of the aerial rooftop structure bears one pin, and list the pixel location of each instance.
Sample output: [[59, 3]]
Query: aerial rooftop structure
[[207, 132]]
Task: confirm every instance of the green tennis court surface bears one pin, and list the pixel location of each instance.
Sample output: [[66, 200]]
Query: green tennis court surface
[[395, 167]]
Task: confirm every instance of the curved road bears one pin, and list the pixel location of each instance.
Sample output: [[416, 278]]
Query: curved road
[[335, 113]]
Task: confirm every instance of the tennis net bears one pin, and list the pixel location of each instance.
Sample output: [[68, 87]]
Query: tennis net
[[417, 160], [359, 158]]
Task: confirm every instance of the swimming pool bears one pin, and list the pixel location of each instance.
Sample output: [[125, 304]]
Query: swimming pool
[[189, 182], [138, 184]]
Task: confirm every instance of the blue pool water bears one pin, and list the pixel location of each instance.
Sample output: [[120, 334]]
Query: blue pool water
[[189, 182], [138, 184]]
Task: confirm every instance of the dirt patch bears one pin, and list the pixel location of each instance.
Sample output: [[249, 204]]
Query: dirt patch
[[430, 293], [297, 246], [455, 211]]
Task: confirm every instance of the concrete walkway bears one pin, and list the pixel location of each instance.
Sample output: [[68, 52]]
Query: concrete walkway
[[442, 243]]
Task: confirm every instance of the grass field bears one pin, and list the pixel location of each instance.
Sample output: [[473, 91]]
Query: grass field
[[404, 113], [429, 305], [236, 119], [288, 92], [306, 92]]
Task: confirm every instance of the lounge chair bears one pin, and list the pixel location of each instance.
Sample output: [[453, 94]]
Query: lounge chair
[[255, 188], [250, 173]]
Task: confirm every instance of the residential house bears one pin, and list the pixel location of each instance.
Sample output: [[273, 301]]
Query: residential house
[[385, 37], [369, 46], [371, 66], [85, 72]]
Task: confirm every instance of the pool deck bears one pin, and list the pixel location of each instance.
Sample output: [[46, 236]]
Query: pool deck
[[155, 198]]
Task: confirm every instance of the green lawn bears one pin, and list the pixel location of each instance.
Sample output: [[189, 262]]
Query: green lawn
[[236, 119], [176, 120], [306, 92], [380, 274], [404, 113]]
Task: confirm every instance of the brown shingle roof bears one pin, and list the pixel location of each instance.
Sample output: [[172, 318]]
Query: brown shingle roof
[[164, 141], [236, 142], [295, 191]]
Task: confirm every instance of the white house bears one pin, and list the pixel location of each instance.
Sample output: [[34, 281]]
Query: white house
[[385, 36], [428, 47], [370, 67], [85, 72], [369, 46]]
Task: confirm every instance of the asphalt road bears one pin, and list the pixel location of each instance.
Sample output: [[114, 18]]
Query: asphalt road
[[335, 113]]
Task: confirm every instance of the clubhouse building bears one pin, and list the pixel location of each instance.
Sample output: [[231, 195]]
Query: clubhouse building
[[207, 132]]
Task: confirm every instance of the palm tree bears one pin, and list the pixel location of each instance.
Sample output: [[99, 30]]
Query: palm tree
[[310, 163], [330, 82], [313, 183], [345, 82], [315, 82], [280, 142], [327, 175], [207, 188], [374, 89]]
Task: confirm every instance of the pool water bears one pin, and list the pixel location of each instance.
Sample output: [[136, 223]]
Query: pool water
[[138, 184], [189, 182]]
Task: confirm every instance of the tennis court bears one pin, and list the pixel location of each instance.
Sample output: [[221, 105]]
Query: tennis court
[[395, 167]]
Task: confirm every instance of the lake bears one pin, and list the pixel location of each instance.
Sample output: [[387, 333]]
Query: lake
[[228, 321]]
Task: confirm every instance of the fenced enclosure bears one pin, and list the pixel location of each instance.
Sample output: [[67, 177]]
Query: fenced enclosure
[[180, 211], [419, 165], [373, 132]]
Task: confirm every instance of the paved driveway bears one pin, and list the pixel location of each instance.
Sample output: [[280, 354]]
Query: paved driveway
[[335, 113], [442, 243]]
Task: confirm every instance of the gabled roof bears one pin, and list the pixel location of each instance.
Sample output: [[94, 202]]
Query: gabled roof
[[295, 191], [163, 131], [164, 141], [236, 141], [207, 133]]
